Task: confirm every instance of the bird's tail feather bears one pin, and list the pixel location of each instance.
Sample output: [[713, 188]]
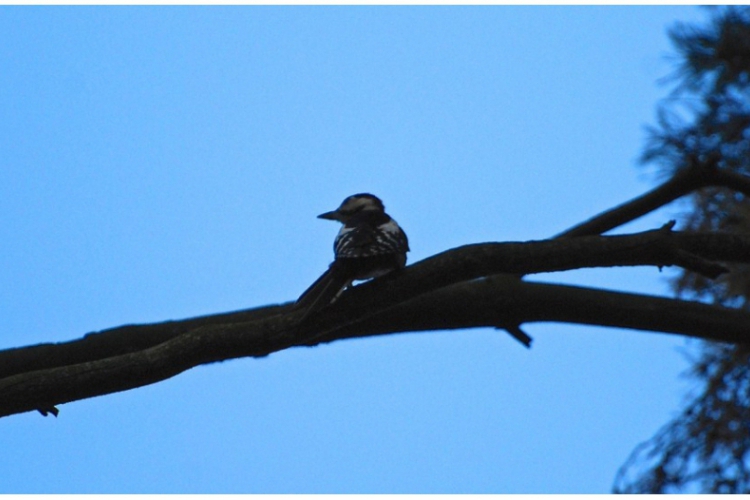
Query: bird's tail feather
[[324, 290]]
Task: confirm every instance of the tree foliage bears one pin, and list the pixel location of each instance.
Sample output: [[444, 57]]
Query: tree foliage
[[706, 122]]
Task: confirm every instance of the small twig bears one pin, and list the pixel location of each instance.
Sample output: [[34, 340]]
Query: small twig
[[518, 334]]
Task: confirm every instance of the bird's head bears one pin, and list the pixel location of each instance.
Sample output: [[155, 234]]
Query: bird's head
[[354, 204]]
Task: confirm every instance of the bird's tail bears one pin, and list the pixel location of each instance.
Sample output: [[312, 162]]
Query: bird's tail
[[325, 289]]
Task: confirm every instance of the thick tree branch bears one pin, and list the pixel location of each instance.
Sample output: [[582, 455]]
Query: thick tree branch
[[498, 301], [505, 301], [660, 248], [116, 341], [132, 356]]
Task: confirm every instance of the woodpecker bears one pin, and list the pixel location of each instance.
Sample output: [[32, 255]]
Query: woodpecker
[[370, 244]]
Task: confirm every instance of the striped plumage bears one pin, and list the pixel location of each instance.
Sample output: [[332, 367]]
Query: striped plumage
[[370, 244]]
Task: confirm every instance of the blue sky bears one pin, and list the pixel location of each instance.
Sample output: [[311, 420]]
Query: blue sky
[[161, 163]]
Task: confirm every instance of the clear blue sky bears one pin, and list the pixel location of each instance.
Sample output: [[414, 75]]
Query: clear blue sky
[[163, 163]]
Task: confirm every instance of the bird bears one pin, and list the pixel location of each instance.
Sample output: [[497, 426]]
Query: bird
[[369, 245]]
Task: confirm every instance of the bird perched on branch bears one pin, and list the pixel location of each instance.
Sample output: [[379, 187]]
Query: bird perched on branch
[[370, 244]]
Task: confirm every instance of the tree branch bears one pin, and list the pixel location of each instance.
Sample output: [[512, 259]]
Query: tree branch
[[473, 285], [682, 183], [504, 301], [498, 301], [662, 247]]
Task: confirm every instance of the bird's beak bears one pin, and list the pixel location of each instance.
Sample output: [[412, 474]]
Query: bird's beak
[[335, 215]]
